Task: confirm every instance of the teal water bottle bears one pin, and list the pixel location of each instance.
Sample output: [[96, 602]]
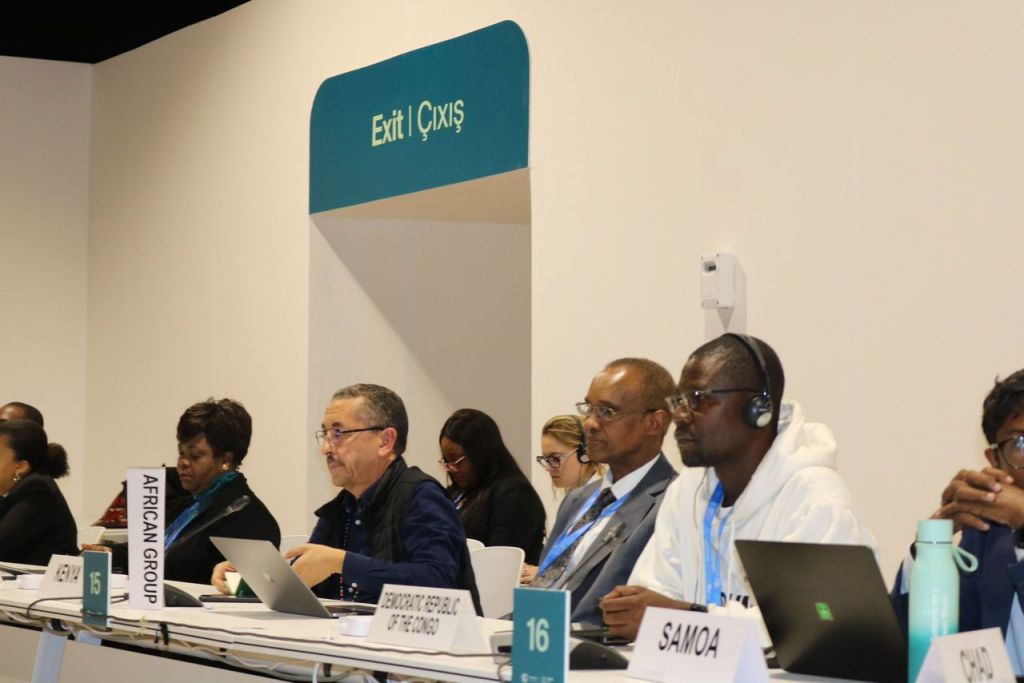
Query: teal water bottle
[[934, 588]]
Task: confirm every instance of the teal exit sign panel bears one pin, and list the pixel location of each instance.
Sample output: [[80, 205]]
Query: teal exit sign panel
[[443, 114]]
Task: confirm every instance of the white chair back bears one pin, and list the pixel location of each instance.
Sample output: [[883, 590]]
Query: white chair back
[[497, 570], [89, 535], [291, 540], [474, 544]]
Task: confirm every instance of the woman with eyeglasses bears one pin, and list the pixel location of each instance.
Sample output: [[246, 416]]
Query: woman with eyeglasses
[[562, 442], [495, 500]]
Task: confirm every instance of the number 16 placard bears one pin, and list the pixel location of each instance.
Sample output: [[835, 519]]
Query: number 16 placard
[[540, 636]]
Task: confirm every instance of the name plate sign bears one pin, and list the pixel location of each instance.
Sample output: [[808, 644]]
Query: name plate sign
[[970, 657], [96, 588], [146, 490], [430, 618], [540, 636], [675, 644], [63, 578]]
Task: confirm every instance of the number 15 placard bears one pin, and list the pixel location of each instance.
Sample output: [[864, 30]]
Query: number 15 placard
[[540, 636]]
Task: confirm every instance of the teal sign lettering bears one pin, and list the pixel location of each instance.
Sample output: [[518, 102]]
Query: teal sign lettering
[[443, 114]]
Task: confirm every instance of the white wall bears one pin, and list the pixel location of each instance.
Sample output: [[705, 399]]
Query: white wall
[[860, 158], [439, 311], [198, 247], [44, 218]]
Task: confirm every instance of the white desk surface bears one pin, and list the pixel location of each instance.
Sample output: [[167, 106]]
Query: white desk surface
[[115, 535], [250, 629]]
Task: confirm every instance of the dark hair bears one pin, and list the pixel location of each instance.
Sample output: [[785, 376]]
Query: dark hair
[[740, 367], [480, 438], [226, 424], [1005, 401], [27, 412], [28, 441], [489, 459], [380, 406]]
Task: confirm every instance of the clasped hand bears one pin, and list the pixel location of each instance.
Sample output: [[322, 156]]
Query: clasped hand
[[975, 498]]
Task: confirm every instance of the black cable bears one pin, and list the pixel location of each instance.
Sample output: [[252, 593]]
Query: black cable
[[368, 648], [28, 610], [232, 632], [501, 667], [312, 655]]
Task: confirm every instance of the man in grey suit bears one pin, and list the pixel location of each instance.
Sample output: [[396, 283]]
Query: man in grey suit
[[602, 527]]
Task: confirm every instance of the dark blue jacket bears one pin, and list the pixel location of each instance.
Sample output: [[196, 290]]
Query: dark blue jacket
[[403, 530]]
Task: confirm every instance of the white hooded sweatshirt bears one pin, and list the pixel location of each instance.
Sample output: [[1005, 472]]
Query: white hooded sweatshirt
[[795, 495]]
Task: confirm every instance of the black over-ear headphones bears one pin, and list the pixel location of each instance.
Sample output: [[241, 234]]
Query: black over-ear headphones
[[581, 450], [759, 410]]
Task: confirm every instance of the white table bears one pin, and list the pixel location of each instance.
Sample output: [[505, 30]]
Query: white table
[[251, 635], [114, 536], [244, 635]]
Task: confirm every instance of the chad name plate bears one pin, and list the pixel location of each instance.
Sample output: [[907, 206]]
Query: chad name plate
[[970, 657]]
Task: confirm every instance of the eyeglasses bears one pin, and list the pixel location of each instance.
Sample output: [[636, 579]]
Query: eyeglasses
[[693, 399], [1012, 450], [554, 460], [450, 464], [607, 413], [335, 436]]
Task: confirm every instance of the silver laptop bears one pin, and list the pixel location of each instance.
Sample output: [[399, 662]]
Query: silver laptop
[[275, 583]]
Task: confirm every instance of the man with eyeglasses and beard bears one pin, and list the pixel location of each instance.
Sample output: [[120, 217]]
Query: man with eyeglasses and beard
[[988, 506], [602, 527], [391, 523], [754, 471]]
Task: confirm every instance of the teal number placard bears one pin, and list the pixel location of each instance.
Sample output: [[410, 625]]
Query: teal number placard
[[446, 113], [95, 588], [540, 636]]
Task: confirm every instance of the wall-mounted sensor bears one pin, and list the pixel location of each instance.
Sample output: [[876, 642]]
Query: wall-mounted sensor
[[718, 281]]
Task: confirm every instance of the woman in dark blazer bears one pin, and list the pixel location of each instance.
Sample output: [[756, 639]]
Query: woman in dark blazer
[[495, 500], [35, 521], [213, 438]]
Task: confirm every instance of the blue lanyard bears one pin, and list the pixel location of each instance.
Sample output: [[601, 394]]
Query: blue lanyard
[[565, 541], [712, 561]]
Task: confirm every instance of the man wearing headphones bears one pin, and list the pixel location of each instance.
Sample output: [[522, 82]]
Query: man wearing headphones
[[603, 526], [753, 472]]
